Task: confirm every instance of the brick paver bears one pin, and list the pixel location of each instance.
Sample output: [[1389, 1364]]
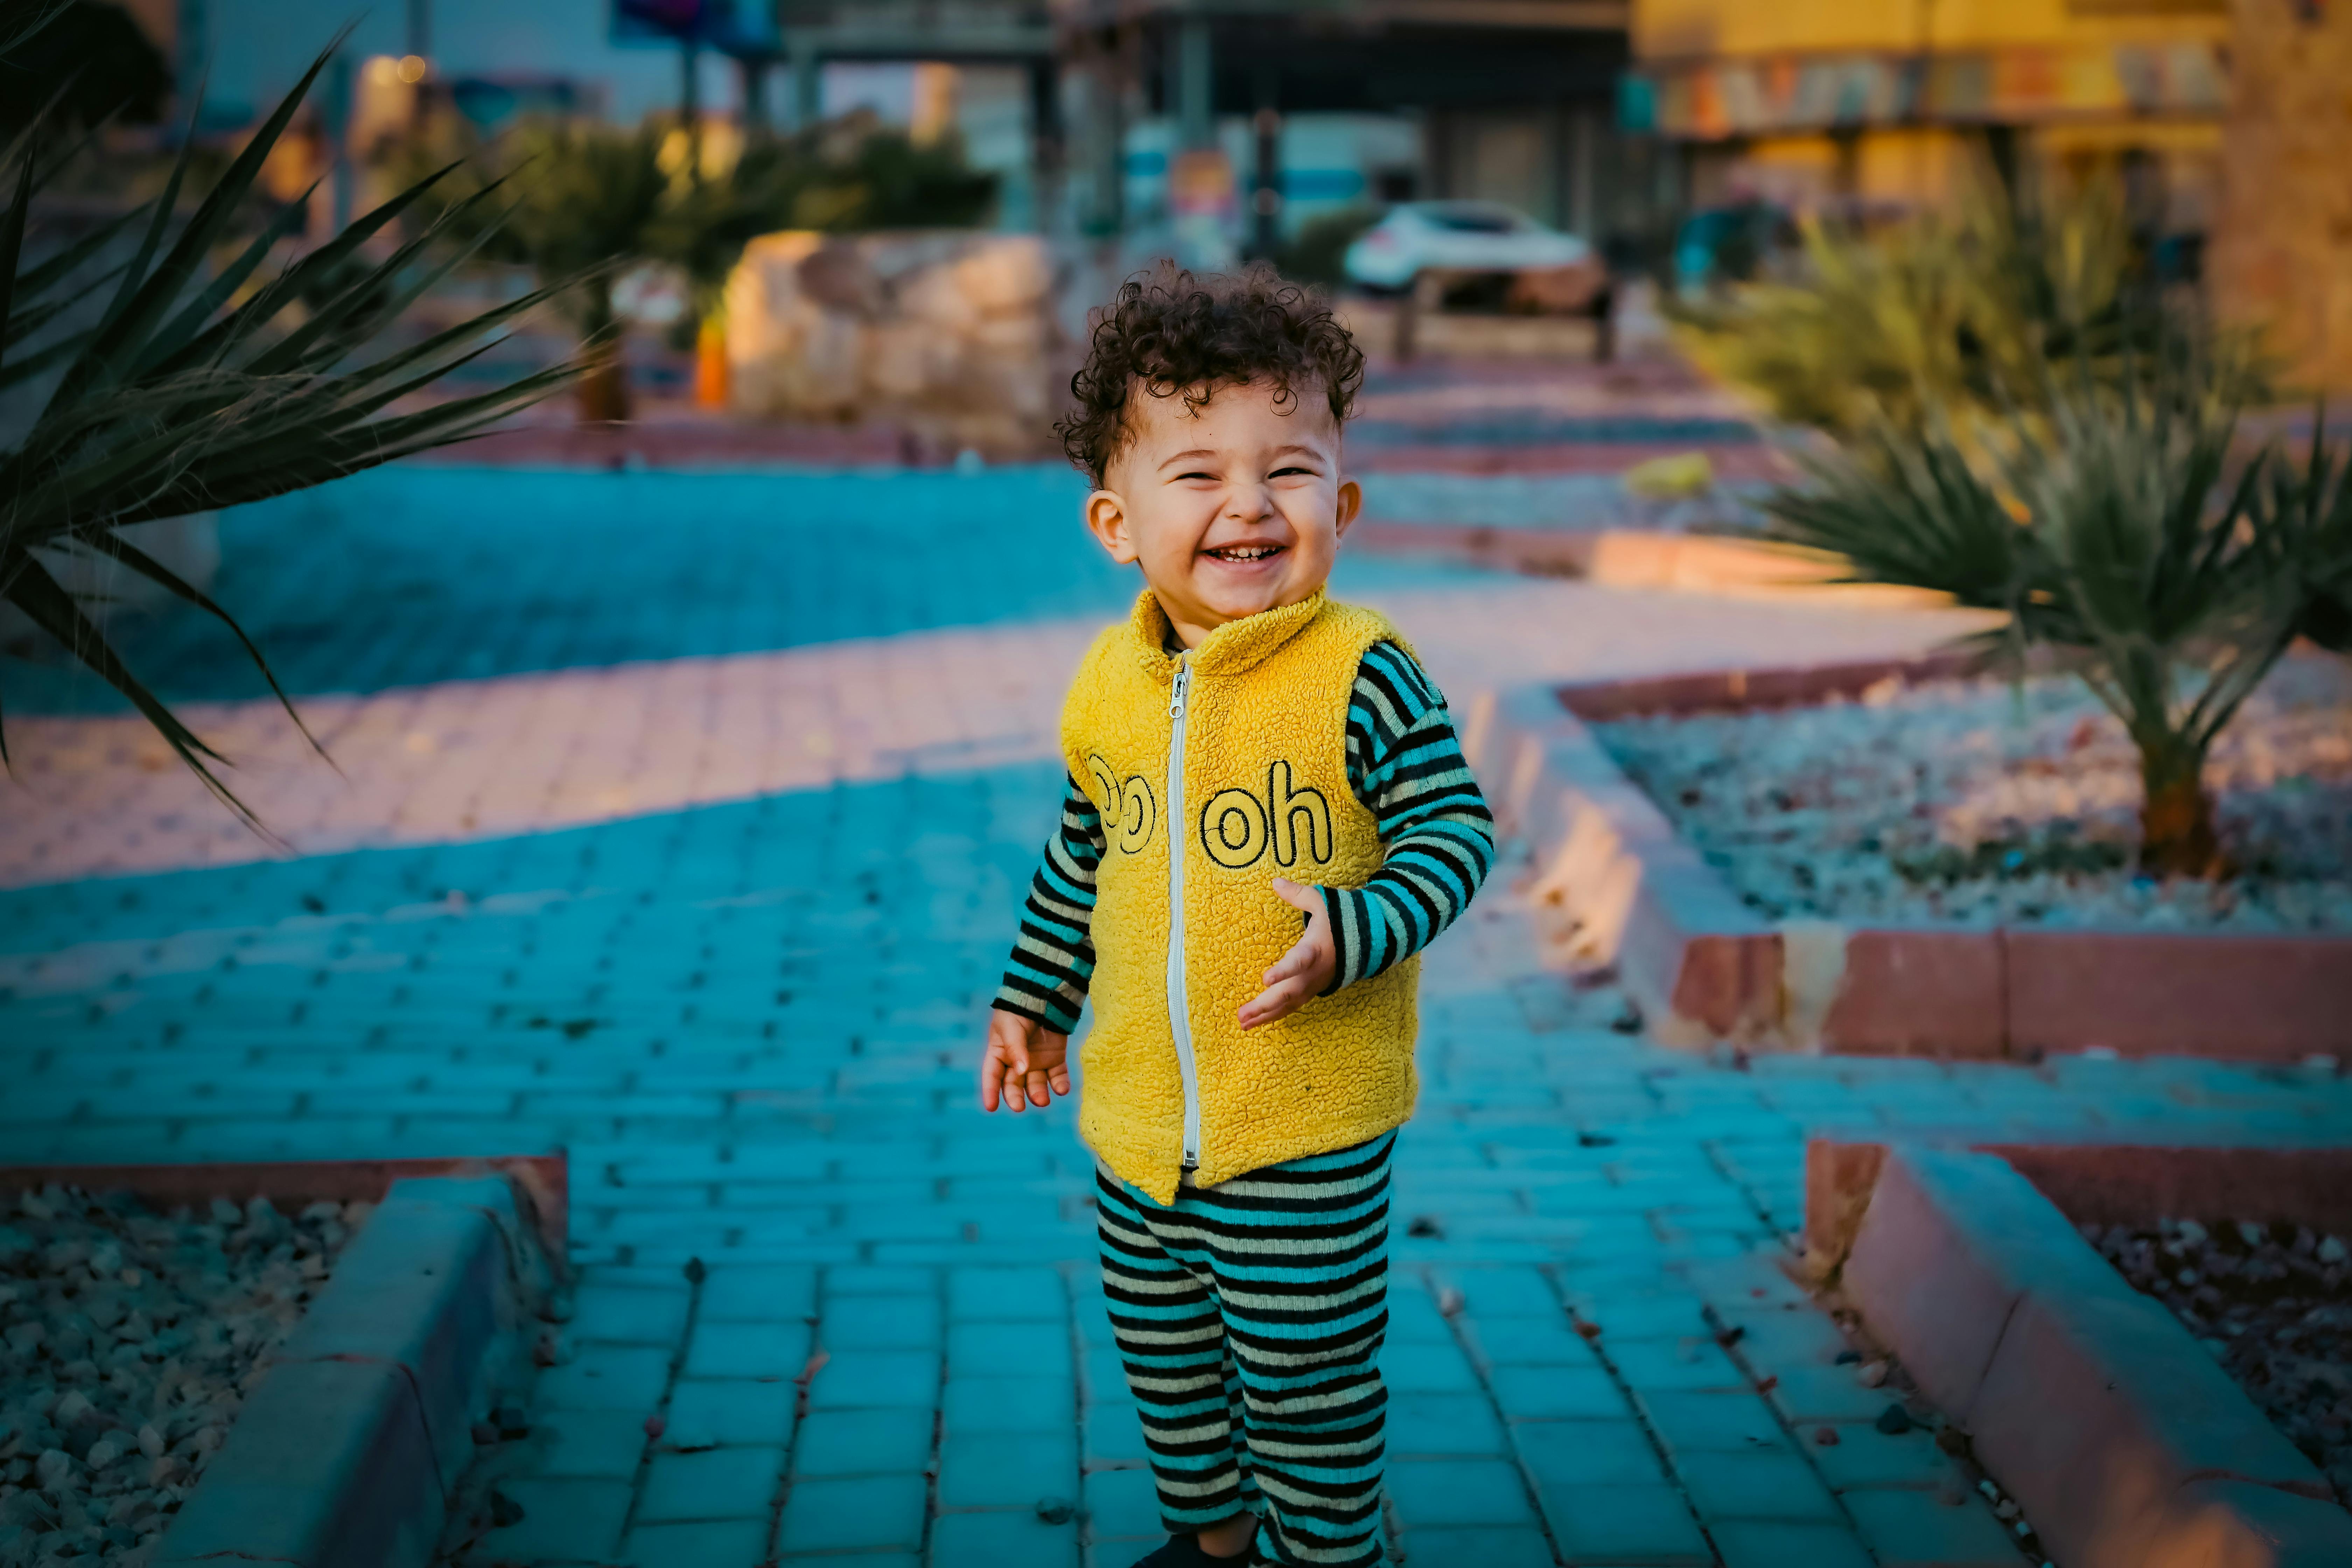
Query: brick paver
[[745, 997]]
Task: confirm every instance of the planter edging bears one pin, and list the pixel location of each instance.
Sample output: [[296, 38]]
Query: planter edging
[[2124, 1442], [344, 1454], [1704, 966]]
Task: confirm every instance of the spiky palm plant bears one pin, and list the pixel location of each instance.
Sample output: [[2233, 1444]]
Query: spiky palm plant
[[2118, 531], [179, 383]]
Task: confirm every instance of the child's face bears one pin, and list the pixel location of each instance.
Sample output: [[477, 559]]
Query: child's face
[[1231, 510]]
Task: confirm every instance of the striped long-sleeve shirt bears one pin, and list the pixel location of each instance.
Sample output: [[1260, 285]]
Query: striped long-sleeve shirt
[[1404, 763]]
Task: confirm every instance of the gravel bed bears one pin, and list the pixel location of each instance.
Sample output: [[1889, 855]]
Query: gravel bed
[[127, 1341], [2274, 1303], [1975, 801]]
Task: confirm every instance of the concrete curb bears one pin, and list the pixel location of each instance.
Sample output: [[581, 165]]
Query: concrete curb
[[2125, 1444], [1704, 966], [345, 1454]]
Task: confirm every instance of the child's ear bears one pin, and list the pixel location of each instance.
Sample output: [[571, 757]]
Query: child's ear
[[1351, 501], [1107, 521]]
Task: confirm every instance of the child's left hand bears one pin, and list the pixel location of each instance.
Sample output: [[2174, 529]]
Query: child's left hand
[[1305, 968]]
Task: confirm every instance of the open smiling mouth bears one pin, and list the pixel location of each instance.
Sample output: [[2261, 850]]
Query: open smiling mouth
[[1243, 554]]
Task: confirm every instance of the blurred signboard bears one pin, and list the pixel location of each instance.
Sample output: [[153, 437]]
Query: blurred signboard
[[714, 23], [1715, 99], [491, 102]]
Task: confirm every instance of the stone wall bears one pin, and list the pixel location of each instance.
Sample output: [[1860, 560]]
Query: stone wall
[[952, 335], [2280, 254]]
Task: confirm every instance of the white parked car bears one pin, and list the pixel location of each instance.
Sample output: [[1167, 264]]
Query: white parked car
[[1459, 241]]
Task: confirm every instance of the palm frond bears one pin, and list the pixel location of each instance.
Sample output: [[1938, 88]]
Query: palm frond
[[183, 396]]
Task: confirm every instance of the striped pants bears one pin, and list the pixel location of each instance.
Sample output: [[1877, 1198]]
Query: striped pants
[[1250, 1317]]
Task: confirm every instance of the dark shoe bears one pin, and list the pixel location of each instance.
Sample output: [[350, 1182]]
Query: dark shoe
[[1184, 1551]]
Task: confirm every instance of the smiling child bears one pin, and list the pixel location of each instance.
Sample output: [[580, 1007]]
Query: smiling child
[[1267, 816]]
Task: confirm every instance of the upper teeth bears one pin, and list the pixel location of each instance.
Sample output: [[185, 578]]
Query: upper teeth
[[1246, 551]]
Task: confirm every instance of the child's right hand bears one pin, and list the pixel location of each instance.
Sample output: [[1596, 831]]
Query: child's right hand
[[1026, 1063]]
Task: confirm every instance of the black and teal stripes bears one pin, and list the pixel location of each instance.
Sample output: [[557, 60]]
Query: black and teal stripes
[[1054, 956], [1249, 1317], [1404, 763]]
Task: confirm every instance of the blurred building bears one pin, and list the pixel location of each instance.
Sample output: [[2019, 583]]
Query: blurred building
[[2282, 253], [1894, 101], [1236, 123]]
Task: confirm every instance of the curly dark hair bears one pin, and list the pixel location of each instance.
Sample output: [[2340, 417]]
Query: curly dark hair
[[1176, 335]]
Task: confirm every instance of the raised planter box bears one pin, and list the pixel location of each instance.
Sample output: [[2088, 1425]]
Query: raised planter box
[[1626, 889], [2125, 1444], [344, 1455]]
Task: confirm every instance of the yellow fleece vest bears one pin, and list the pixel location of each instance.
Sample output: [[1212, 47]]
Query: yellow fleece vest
[[1265, 794]]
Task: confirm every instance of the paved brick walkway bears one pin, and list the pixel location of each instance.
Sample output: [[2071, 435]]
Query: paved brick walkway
[[744, 993]]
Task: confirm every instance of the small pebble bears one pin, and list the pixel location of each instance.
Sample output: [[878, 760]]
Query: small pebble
[[1827, 1437], [1894, 1421], [1057, 1510]]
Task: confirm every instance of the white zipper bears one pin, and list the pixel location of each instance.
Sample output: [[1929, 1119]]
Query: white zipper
[[1179, 1021]]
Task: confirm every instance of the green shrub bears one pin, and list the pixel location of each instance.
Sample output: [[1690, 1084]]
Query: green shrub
[[1965, 312]]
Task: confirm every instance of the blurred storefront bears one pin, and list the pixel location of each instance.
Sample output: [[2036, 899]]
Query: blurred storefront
[[1224, 127], [1895, 103], [2281, 252]]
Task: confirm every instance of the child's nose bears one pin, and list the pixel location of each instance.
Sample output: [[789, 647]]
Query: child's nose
[[1247, 503]]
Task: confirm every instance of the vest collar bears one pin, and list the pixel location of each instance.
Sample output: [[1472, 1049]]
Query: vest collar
[[1233, 648]]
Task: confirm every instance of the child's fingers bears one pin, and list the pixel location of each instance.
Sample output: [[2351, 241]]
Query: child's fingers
[[992, 1076], [1306, 900], [1274, 1001], [1016, 1083], [1291, 964], [1060, 1078], [1040, 1090]]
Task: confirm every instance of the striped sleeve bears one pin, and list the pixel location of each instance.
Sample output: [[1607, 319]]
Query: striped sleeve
[[1405, 763], [1053, 957]]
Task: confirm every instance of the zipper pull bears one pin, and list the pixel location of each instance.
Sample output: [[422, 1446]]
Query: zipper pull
[[1176, 698]]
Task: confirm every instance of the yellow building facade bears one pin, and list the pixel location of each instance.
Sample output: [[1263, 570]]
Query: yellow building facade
[[1894, 102]]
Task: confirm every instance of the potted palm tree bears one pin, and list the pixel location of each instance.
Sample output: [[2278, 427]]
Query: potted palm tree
[[164, 373]]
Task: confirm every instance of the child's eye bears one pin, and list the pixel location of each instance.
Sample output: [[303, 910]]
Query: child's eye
[[1290, 472]]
